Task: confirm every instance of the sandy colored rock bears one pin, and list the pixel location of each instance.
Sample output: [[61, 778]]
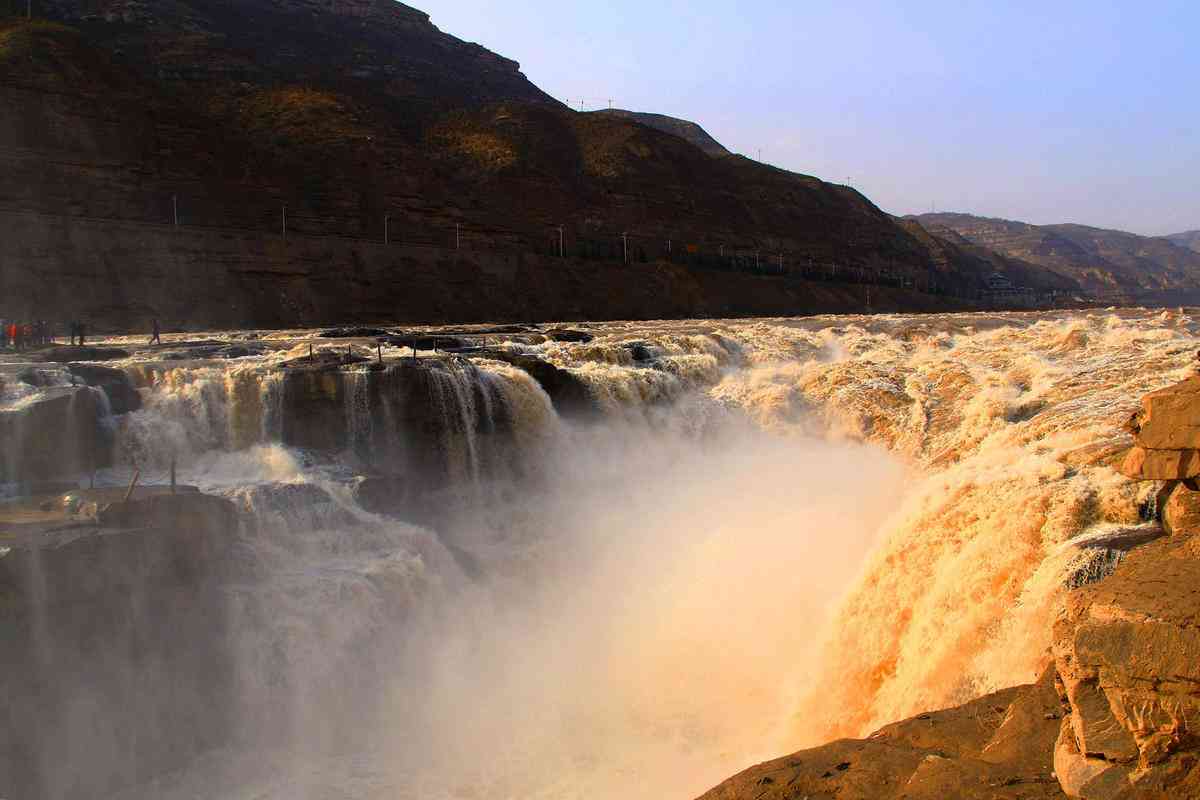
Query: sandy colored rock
[[1080, 776], [1127, 650], [1160, 465], [1170, 418], [997, 747], [1181, 511]]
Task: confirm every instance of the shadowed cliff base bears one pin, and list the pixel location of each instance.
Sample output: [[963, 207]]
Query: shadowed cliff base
[[196, 279]]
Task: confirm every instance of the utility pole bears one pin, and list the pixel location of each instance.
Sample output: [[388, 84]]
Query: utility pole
[[625, 245], [285, 222], [175, 208]]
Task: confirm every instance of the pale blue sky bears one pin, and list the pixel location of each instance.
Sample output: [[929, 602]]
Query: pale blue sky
[[1049, 111]]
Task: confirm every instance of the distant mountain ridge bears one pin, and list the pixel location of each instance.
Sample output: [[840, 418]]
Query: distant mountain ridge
[[1110, 263], [684, 129], [1188, 239], [394, 147]]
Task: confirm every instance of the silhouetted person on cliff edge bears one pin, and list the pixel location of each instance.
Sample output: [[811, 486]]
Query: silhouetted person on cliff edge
[[156, 337]]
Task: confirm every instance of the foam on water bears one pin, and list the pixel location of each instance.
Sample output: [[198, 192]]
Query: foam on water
[[776, 532]]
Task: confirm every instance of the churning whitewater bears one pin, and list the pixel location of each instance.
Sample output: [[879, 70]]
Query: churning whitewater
[[743, 538]]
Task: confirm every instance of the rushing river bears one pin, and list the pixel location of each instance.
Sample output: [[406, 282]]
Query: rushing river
[[764, 534]]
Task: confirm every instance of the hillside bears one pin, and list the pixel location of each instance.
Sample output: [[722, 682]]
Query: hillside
[[1188, 239], [947, 246], [1107, 263], [358, 122], [684, 129]]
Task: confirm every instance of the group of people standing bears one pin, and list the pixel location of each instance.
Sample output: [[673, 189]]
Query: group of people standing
[[23, 335]]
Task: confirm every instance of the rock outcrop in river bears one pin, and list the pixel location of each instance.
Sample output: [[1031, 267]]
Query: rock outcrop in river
[[107, 606]]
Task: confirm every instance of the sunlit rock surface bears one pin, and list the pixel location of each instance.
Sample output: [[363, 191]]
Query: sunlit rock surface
[[1128, 653], [995, 747]]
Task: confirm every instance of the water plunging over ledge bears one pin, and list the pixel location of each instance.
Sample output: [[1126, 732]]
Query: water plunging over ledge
[[624, 563]]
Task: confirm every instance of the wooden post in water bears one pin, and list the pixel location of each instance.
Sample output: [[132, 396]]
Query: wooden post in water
[[379, 351], [137, 473]]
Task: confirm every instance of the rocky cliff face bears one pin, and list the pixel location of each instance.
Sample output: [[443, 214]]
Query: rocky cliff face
[[100, 619], [684, 129], [123, 275], [1127, 651], [1112, 263], [360, 122]]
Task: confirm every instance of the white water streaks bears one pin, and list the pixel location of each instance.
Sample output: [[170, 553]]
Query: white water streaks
[[772, 532]]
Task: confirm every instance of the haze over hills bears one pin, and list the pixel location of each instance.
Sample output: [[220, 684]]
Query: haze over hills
[[1111, 263], [360, 121], [1188, 239]]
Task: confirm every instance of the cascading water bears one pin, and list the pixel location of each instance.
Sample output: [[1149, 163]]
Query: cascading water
[[768, 533]]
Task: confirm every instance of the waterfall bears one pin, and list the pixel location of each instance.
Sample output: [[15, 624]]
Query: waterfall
[[769, 533]]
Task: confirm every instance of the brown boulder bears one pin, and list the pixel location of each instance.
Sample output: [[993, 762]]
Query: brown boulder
[[183, 511], [64, 431], [1143, 464], [997, 747], [1170, 418], [1181, 511], [1128, 654], [122, 396]]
